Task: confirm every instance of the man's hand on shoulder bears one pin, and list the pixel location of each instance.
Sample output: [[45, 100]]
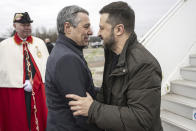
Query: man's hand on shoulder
[[80, 105]]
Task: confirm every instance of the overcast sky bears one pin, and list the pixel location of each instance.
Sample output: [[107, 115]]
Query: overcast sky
[[44, 12]]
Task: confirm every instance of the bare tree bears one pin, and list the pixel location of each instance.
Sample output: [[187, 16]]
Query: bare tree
[[44, 33], [39, 32], [9, 32]]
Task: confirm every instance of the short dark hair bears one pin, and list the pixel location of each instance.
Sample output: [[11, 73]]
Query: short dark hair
[[120, 13]]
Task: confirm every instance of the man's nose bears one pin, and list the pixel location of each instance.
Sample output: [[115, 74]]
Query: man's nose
[[99, 34], [90, 32]]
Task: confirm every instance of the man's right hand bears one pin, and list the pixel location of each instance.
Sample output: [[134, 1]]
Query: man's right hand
[[80, 105]]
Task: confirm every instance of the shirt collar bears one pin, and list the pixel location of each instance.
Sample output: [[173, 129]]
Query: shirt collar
[[20, 41]]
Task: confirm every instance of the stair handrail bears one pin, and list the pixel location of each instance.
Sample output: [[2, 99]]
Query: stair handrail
[[184, 62], [161, 22]]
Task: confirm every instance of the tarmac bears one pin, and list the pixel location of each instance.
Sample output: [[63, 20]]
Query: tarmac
[[95, 60]]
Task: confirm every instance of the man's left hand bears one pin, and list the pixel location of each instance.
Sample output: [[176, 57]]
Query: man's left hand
[[80, 105]]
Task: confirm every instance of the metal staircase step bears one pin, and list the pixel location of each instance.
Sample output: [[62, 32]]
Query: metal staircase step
[[184, 88], [177, 104], [188, 73], [192, 60], [174, 122]]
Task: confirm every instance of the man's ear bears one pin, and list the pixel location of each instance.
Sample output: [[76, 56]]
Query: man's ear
[[67, 28], [119, 29]]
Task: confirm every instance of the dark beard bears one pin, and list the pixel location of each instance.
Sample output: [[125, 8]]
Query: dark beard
[[110, 43]]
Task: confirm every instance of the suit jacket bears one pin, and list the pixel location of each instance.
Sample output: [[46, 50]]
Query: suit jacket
[[66, 72]]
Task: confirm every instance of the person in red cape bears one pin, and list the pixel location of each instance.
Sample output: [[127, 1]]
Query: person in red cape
[[22, 76]]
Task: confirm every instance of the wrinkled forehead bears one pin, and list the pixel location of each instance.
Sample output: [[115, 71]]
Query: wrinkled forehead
[[104, 21], [104, 17], [22, 24]]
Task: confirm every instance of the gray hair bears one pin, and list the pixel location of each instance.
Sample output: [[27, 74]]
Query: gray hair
[[69, 14]]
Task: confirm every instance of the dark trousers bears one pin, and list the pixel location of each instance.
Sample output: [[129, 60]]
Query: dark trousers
[[28, 107]]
